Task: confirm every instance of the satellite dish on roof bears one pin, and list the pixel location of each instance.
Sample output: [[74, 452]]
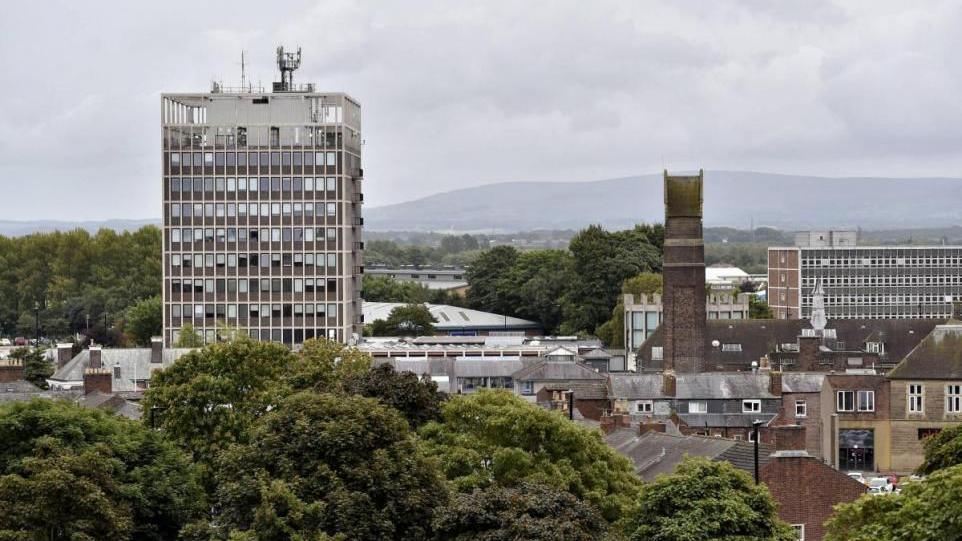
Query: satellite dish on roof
[[715, 343]]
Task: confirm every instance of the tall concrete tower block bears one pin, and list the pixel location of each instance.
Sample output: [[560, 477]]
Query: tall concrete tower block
[[684, 274]]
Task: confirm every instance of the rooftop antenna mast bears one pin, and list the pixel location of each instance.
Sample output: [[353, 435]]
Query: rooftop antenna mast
[[287, 63], [244, 72]]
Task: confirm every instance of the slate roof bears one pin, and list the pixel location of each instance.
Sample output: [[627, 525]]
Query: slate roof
[[801, 382], [597, 354], [583, 390], [134, 364], [759, 337], [112, 403], [727, 420], [657, 453], [708, 385], [557, 370], [635, 386], [938, 356]]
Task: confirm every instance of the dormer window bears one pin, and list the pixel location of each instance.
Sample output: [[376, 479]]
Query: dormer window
[[731, 347], [873, 347]]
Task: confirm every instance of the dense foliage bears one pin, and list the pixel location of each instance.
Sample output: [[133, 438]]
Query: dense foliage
[[493, 438], [929, 509], [387, 289], [72, 473], [406, 320], [72, 275], [529, 511], [571, 291], [337, 464], [418, 400], [705, 501], [453, 250], [145, 320]]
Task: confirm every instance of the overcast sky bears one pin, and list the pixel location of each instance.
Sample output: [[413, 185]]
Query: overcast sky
[[457, 94]]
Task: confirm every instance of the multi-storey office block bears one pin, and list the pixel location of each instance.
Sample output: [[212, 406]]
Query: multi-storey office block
[[262, 214], [866, 282]]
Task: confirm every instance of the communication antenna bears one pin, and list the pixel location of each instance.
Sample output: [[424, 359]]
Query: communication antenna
[[243, 71], [287, 63]]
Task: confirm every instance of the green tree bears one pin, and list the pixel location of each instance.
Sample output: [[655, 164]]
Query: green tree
[[145, 320], [529, 511], [602, 262], [758, 308], [495, 438], [68, 472], [484, 278], [407, 320], [35, 365], [705, 501], [387, 289], [942, 450], [210, 398], [189, 337], [418, 400], [326, 463], [928, 509], [535, 285]]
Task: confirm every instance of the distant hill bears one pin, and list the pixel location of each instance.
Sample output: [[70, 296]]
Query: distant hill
[[732, 198], [18, 229]]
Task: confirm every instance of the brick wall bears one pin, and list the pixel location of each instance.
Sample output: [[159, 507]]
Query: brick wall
[[811, 421], [806, 490], [11, 370]]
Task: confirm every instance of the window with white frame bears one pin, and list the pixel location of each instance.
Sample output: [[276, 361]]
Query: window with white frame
[[731, 347], [645, 406], [527, 387], [953, 398], [657, 353], [845, 401], [799, 531], [751, 406], [697, 406], [916, 402], [866, 401], [801, 408]]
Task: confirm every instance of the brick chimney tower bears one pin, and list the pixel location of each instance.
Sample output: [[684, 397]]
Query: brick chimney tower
[[685, 313]]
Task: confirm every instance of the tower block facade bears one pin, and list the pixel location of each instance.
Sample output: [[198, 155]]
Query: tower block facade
[[684, 274]]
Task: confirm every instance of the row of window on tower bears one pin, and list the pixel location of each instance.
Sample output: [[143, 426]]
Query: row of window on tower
[[186, 235], [253, 210], [244, 260], [263, 185]]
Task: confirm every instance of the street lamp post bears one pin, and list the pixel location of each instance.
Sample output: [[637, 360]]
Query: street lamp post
[[37, 323]]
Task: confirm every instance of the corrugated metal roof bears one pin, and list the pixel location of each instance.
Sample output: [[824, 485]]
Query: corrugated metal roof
[[452, 317]]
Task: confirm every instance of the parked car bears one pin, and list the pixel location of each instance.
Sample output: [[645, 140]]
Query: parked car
[[857, 475], [19, 341], [5, 342], [880, 484]]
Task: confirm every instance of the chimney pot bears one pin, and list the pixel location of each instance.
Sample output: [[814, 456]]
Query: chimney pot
[[64, 354], [775, 383], [669, 383], [96, 357]]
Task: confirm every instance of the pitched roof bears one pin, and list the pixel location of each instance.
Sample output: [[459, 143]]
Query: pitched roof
[[758, 337], [657, 453], [134, 364], [802, 382], [635, 386], [938, 356], [557, 370], [597, 353], [583, 390]]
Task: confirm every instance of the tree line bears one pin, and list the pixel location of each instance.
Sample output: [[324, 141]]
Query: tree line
[[73, 281], [247, 440], [569, 291]]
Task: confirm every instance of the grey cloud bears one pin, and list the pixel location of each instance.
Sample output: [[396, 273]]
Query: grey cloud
[[462, 93]]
